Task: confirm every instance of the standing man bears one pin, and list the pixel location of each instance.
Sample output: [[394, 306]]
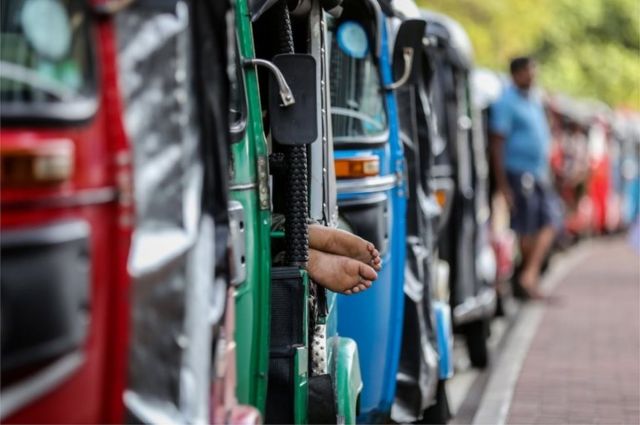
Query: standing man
[[519, 153]]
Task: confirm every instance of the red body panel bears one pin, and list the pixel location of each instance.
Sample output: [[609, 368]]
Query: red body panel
[[98, 193]]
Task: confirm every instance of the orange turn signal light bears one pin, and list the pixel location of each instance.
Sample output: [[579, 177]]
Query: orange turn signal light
[[46, 164], [359, 167], [441, 197]]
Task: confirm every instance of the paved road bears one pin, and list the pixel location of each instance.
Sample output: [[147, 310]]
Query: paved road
[[583, 364]]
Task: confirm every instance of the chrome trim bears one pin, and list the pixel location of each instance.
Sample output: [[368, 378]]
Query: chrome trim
[[34, 79], [442, 171], [73, 111], [367, 185], [445, 183], [50, 234], [237, 243], [361, 141], [318, 154], [24, 392], [285, 92], [243, 186], [85, 197], [407, 55], [350, 113], [376, 198]]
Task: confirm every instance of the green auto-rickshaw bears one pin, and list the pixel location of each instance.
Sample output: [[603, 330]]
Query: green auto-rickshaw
[[291, 364]]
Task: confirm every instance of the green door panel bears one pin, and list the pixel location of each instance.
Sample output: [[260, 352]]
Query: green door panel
[[249, 175], [252, 308]]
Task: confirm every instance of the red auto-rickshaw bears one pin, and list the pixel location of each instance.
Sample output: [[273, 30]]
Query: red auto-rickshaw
[[581, 161], [66, 216], [89, 93], [607, 203]]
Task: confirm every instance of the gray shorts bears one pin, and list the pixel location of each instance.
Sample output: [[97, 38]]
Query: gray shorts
[[536, 204]]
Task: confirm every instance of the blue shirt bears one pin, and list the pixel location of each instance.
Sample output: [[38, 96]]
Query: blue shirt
[[521, 120]]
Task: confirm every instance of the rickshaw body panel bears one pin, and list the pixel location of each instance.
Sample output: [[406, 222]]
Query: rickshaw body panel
[[444, 333], [93, 369], [252, 304], [343, 355], [253, 295], [374, 318]]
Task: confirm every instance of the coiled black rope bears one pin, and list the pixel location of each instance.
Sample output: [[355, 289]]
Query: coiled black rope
[[296, 228]]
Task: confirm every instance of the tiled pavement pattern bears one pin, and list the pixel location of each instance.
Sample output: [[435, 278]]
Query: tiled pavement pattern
[[583, 366]]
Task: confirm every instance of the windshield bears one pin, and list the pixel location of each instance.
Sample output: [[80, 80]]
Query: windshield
[[357, 102], [45, 54]]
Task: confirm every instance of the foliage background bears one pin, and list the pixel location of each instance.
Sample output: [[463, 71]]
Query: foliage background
[[586, 48]]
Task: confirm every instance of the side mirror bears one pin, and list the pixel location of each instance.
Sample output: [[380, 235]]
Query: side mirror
[[294, 121], [407, 52]]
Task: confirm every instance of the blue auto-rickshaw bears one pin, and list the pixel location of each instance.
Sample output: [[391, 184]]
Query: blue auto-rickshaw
[[371, 188]]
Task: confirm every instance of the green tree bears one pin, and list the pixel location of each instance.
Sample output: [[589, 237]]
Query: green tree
[[588, 48]]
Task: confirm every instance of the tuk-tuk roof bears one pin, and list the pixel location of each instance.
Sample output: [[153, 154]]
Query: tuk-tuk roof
[[448, 31], [581, 111], [487, 86], [406, 9], [626, 125]]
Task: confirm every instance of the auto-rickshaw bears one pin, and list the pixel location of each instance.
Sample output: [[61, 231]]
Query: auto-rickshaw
[[584, 165], [460, 178], [176, 117], [626, 130], [601, 186], [569, 164], [115, 101], [426, 356], [292, 364], [371, 184], [66, 216]]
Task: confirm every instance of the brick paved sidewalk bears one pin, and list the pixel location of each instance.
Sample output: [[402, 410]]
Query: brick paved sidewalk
[[583, 366]]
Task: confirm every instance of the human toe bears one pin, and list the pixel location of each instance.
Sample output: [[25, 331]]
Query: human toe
[[367, 272]]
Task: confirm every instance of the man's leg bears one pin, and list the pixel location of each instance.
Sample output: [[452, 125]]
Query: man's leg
[[540, 244], [526, 246]]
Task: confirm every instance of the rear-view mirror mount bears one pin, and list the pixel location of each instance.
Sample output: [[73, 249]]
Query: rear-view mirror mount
[[406, 52]]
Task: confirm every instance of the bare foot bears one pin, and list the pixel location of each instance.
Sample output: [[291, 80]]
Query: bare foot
[[340, 274], [529, 281], [340, 242]]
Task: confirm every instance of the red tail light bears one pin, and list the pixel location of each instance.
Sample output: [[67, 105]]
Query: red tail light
[[49, 163]]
